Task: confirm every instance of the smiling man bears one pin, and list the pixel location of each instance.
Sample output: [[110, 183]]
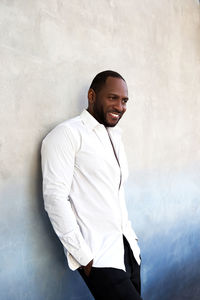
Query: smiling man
[[84, 170], [107, 103]]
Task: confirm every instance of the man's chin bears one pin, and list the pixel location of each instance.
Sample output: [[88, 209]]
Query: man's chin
[[112, 119], [111, 124]]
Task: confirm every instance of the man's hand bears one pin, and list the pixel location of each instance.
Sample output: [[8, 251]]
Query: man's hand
[[87, 268]]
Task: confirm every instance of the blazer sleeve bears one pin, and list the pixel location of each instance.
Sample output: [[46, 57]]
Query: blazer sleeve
[[58, 157]]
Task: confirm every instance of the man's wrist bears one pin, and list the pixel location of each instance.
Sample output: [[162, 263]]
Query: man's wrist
[[87, 268]]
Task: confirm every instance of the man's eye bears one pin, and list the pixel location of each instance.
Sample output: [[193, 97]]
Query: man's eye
[[124, 100]]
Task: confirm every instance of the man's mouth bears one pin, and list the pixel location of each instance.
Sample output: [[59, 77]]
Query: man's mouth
[[114, 115]]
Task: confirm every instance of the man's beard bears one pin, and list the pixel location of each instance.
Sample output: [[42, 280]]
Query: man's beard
[[100, 116]]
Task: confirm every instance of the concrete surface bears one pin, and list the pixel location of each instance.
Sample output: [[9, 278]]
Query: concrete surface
[[50, 51]]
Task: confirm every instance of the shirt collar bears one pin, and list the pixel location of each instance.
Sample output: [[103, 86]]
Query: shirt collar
[[92, 123], [89, 120]]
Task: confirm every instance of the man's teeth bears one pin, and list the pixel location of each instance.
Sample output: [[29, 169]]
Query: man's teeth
[[114, 115]]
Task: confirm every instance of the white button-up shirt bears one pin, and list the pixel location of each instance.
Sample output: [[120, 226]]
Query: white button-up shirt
[[83, 192]]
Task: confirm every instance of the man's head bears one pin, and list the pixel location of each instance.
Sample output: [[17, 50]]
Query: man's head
[[107, 98]]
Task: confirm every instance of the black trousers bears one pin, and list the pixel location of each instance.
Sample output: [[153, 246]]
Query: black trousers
[[115, 284]]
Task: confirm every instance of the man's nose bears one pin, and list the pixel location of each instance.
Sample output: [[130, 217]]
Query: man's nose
[[119, 106]]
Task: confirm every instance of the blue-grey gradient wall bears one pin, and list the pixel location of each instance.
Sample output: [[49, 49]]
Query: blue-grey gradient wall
[[50, 51]]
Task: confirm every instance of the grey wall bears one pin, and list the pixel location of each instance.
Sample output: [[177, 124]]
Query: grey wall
[[50, 50]]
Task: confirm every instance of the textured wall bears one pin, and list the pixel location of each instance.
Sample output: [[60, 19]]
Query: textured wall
[[50, 50]]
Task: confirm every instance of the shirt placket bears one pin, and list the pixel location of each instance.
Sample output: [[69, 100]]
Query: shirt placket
[[116, 158], [115, 153]]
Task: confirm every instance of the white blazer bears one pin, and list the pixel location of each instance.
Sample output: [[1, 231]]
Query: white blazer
[[83, 192]]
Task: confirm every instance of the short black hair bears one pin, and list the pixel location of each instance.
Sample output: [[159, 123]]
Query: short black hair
[[100, 79]]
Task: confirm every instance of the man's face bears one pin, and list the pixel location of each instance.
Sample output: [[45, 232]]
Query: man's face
[[110, 102]]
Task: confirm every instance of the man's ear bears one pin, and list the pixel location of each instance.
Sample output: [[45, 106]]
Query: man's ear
[[91, 96]]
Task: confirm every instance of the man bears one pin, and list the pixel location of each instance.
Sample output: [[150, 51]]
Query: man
[[84, 170]]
